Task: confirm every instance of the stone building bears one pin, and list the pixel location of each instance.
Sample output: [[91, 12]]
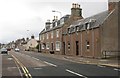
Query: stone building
[[51, 36], [95, 36]]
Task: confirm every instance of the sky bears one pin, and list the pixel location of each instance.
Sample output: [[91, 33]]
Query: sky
[[23, 18]]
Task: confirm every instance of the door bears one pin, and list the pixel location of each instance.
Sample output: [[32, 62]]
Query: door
[[51, 46], [63, 48], [77, 48]]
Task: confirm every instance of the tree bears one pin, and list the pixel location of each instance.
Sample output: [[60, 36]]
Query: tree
[[37, 47]]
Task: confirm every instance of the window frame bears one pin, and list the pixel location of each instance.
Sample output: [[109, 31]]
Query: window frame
[[57, 45]]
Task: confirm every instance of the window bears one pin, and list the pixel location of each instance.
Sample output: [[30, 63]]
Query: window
[[52, 34], [47, 35], [47, 45], [43, 46], [43, 36], [87, 26], [88, 45], [77, 28], [72, 29], [57, 33], [57, 46], [68, 45], [69, 30]]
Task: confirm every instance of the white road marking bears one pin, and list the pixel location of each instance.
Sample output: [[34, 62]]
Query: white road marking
[[35, 58], [10, 59], [116, 69], [75, 73], [100, 66], [11, 67], [50, 64], [37, 68]]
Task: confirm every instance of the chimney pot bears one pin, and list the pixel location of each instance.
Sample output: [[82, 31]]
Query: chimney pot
[[75, 6]]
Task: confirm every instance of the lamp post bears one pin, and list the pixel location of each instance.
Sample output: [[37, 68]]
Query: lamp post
[[57, 12]]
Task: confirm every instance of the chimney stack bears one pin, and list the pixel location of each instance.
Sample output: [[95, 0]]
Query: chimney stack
[[76, 10], [47, 24], [111, 6]]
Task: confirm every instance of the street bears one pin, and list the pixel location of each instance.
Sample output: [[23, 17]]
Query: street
[[32, 65]]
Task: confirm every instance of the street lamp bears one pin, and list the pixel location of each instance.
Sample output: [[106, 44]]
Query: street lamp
[[57, 12]]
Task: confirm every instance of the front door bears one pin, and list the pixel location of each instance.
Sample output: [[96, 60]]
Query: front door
[[77, 48], [63, 48], [51, 46]]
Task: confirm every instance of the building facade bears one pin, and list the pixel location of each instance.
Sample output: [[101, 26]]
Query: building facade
[[85, 37]]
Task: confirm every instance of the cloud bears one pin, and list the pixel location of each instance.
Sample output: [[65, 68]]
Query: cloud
[[18, 16]]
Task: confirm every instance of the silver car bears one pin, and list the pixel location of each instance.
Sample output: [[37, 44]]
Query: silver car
[[4, 51]]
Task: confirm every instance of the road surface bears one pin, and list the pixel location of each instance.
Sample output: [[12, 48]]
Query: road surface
[[36, 65]]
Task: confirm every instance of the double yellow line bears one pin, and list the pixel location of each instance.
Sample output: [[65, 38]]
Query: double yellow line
[[24, 69]]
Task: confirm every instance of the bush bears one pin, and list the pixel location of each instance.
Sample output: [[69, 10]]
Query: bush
[[37, 47]]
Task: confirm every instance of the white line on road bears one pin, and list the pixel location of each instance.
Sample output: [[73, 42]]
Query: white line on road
[[116, 69], [35, 58], [50, 64], [37, 68], [100, 66], [75, 73]]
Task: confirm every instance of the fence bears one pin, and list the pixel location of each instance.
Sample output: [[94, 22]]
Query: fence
[[111, 54]]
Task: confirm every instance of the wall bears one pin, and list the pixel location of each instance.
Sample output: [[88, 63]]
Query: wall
[[109, 32]]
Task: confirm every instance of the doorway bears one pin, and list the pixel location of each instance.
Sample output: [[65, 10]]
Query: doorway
[[51, 46], [63, 48], [77, 48]]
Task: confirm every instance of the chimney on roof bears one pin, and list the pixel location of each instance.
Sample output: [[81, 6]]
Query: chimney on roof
[[111, 6], [47, 24], [76, 10]]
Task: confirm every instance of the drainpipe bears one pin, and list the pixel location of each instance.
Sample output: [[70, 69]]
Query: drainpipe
[[93, 43], [81, 42]]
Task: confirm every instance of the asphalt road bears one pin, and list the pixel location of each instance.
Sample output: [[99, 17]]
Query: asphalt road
[[41, 65]]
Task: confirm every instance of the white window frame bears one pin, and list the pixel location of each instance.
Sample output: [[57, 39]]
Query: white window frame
[[57, 45], [87, 45], [47, 35], [52, 34], [42, 47], [57, 33], [47, 45], [43, 36]]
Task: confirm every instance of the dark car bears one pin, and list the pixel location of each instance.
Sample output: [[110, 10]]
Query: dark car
[[8, 49], [4, 51]]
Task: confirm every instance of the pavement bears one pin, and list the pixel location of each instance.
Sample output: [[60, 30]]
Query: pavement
[[112, 62]]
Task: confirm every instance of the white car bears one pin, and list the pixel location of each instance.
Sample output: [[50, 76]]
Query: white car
[[17, 49]]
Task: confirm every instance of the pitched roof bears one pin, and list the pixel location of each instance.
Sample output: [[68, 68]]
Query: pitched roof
[[56, 27], [98, 18]]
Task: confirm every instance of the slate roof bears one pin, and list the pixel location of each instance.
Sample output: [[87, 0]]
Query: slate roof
[[99, 19], [56, 27]]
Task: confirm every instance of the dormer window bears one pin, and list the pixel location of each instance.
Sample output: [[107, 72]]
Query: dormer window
[[77, 28], [87, 26], [69, 30], [92, 20], [72, 29]]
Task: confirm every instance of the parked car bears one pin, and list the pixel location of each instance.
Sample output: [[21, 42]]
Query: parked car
[[4, 51], [17, 49]]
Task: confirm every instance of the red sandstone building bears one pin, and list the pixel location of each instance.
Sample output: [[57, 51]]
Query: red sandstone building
[[87, 37]]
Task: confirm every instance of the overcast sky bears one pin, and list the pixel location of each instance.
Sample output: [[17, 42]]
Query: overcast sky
[[18, 16]]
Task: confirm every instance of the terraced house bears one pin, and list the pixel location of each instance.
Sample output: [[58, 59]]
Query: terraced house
[[86, 37]]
